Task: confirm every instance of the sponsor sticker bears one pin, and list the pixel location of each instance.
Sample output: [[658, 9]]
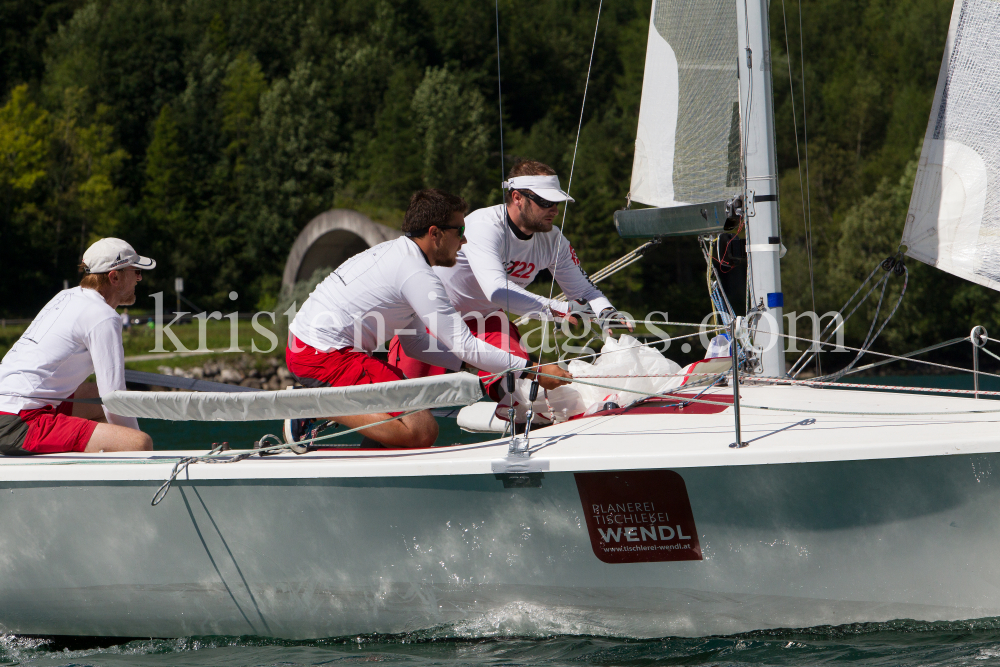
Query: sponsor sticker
[[638, 516]]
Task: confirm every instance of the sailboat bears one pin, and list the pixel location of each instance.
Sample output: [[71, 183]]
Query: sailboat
[[834, 506]]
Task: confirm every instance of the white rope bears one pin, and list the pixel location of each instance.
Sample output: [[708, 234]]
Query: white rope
[[776, 409], [214, 455]]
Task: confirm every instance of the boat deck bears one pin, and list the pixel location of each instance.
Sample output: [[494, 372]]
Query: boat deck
[[780, 424]]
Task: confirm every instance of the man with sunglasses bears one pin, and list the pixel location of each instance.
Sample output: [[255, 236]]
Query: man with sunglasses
[[77, 333], [508, 246], [391, 289]]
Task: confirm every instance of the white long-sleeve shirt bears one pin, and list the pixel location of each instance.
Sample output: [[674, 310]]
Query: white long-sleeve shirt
[[77, 333], [499, 261], [390, 290]]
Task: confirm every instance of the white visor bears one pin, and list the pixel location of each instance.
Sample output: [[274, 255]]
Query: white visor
[[546, 187]]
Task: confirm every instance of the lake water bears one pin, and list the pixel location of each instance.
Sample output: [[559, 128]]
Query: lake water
[[897, 643]]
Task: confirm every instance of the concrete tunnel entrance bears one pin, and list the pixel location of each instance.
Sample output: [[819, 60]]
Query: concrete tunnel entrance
[[331, 238]]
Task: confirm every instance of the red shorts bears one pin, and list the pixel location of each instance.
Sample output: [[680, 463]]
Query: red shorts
[[49, 431], [338, 368], [492, 334]]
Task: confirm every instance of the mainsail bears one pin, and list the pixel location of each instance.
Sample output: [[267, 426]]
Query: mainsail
[[954, 217], [687, 147]]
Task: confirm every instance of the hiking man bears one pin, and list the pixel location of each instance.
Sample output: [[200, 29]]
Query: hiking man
[[77, 333]]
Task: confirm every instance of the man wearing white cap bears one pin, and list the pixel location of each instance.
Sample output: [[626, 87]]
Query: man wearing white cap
[[77, 333], [508, 246]]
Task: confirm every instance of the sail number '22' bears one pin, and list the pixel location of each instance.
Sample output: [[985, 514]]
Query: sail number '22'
[[519, 269]]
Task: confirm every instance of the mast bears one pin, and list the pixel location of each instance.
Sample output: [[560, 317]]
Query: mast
[[757, 121]]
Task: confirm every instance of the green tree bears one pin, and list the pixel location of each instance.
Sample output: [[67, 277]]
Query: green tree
[[239, 102], [293, 167], [24, 144], [451, 121]]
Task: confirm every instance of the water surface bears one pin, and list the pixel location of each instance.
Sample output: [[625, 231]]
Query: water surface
[[875, 645]]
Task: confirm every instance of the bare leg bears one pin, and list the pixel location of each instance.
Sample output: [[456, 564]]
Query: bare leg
[[107, 437], [413, 431], [111, 438], [91, 411]]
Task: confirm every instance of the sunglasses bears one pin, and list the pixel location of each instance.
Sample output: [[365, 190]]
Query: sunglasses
[[541, 203], [460, 228]]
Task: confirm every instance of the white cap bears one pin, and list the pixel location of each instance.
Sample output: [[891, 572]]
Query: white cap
[[546, 187], [112, 254]]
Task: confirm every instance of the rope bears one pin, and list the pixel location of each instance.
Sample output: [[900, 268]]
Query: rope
[[849, 385], [812, 350], [938, 346], [212, 457], [895, 357], [530, 368], [797, 410], [992, 355], [869, 339]]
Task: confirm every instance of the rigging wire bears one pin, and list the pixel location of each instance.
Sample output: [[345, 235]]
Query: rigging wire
[[576, 145], [890, 265], [572, 171], [623, 262], [751, 296], [503, 178], [805, 141], [798, 158]]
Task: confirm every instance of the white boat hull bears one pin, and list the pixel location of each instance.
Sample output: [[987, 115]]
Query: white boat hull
[[319, 545]]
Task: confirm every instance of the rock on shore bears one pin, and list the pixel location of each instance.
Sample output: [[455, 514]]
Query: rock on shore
[[245, 371]]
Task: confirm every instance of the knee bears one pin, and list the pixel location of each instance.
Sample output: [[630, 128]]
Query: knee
[[426, 435], [143, 442]]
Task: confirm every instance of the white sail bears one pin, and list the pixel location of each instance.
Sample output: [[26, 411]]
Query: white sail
[[418, 394], [687, 142], [954, 218]]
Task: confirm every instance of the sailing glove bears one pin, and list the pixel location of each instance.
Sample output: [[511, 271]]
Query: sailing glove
[[581, 308], [611, 319]]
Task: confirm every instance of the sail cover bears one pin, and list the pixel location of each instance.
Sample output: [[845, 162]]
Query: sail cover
[[416, 394], [687, 146], [954, 218]]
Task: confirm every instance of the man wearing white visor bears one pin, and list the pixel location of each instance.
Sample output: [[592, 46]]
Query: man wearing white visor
[[77, 333], [508, 245]]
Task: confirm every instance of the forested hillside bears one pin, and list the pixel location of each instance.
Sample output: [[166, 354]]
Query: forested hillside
[[208, 133]]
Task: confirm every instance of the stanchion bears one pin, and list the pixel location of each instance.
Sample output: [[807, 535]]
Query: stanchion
[[734, 353], [978, 338]]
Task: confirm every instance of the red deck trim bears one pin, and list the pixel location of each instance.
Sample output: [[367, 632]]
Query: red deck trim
[[660, 406]]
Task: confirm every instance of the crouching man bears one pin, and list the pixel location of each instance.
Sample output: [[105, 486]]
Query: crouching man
[[77, 333], [509, 244], [386, 290]]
